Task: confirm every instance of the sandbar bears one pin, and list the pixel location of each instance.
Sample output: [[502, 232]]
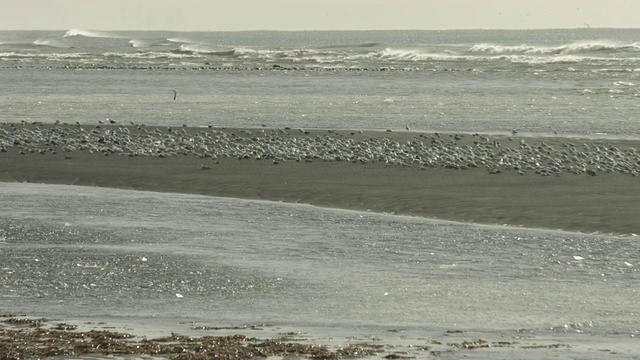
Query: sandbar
[[602, 202]]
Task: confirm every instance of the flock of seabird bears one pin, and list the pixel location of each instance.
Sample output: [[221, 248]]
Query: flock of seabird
[[280, 145]]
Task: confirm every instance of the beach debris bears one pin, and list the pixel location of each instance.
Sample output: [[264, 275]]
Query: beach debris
[[25, 338], [575, 257], [30, 338]]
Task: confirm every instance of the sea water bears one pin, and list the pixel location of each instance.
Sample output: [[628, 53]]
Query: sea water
[[569, 82], [161, 263]]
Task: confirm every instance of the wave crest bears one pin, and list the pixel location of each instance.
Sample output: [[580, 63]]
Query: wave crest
[[417, 55], [598, 46], [88, 33], [54, 43], [496, 49], [203, 49], [586, 46]]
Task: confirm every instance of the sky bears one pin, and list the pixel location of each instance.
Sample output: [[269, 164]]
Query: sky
[[232, 15]]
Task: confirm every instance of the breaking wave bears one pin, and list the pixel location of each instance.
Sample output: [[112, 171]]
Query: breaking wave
[[180, 40], [136, 43], [150, 49], [361, 45], [420, 55], [578, 47], [146, 43], [600, 46], [55, 43], [203, 49], [88, 33]]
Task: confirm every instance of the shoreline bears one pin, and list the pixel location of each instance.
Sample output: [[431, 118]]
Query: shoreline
[[31, 337], [262, 164]]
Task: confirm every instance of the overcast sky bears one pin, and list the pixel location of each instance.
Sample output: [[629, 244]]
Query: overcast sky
[[227, 15]]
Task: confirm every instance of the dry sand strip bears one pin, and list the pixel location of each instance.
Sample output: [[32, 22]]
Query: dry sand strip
[[531, 182]]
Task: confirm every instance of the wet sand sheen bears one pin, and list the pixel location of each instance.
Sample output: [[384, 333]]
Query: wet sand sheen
[[606, 203]]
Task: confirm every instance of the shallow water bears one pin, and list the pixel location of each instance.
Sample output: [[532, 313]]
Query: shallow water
[[534, 103], [156, 262]]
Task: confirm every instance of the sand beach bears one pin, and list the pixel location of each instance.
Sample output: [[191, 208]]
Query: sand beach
[[583, 185]]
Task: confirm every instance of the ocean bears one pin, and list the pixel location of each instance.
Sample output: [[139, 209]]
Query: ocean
[[570, 82], [157, 263]]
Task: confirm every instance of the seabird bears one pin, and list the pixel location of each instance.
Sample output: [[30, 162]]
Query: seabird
[[175, 94]]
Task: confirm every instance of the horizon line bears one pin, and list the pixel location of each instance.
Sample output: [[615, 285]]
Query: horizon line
[[339, 30]]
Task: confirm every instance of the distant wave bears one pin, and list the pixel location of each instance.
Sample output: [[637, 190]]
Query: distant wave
[[32, 56], [17, 44], [144, 43], [497, 49], [202, 50], [385, 57], [180, 40], [55, 43], [603, 45], [88, 33], [624, 83], [362, 45], [139, 43], [243, 52], [571, 48], [419, 55]]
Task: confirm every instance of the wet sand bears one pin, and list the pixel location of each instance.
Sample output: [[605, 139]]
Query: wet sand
[[29, 337], [600, 202]]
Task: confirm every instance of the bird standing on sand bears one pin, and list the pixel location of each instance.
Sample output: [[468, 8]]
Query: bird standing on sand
[[175, 94]]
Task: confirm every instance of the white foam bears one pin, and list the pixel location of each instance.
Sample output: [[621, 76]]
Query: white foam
[[58, 43], [88, 33]]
